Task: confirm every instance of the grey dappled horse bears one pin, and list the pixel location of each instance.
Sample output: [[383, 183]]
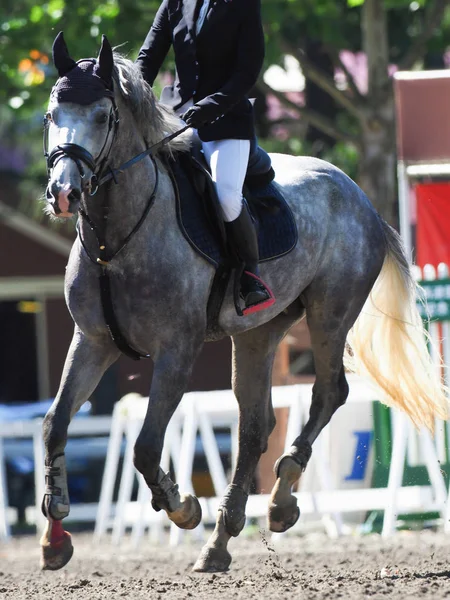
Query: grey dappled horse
[[160, 288]]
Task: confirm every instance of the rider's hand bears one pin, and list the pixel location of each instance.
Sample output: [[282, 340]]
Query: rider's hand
[[195, 117]]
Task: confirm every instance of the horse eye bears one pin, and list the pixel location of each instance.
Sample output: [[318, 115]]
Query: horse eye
[[102, 118], [48, 117]]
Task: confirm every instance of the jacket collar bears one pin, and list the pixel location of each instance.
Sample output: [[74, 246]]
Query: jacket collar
[[190, 14], [191, 10], [216, 10]]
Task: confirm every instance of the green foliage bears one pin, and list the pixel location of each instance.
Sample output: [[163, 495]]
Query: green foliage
[[27, 30]]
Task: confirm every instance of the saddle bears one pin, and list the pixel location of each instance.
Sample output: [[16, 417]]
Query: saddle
[[200, 219]]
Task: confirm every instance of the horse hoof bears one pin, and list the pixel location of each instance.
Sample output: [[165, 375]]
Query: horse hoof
[[282, 518], [189, 515], [56, 545], [212, 560]]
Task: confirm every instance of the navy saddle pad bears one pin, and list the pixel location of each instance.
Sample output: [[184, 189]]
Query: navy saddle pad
[[200, 221]]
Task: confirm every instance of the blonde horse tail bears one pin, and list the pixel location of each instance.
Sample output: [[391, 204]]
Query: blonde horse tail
[[389, 343]]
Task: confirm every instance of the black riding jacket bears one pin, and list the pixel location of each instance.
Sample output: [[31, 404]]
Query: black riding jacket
[[217, 68]]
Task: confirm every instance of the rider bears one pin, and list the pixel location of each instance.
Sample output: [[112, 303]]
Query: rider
[[219, 51]]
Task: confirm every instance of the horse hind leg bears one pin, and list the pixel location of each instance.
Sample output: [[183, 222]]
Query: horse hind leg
[[253, 356], [329, 321]]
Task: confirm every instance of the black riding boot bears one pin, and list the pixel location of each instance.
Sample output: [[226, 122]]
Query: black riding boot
[[244, 240]]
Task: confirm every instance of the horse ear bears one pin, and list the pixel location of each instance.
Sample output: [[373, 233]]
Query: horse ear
[[61, 58], [105, 61]]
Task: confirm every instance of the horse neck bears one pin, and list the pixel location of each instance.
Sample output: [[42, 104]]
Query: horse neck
[[116, 208]]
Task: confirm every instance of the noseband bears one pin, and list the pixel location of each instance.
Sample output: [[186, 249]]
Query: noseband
[[80, 155]]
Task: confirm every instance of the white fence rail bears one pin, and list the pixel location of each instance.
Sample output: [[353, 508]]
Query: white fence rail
[[32, 429], [201, 412], [321, 492]]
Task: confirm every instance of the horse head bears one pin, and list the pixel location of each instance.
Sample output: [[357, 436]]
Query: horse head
[[80, 126]]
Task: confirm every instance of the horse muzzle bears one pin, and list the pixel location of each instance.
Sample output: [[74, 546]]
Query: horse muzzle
[[63, 199], [62, 194]]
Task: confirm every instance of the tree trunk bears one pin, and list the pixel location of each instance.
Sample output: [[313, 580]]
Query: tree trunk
[[318, 99], [377, 166], [377, 173]]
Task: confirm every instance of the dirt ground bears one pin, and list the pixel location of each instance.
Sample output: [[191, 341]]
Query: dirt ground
[[311, 567]]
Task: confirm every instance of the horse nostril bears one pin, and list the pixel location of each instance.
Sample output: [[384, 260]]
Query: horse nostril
[[53, 191], [75, 195]]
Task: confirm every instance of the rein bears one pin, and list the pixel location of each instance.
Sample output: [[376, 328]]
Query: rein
[[104, 259], [112, 174]]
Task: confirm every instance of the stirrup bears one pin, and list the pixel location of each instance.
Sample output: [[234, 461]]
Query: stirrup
[[270, 301]]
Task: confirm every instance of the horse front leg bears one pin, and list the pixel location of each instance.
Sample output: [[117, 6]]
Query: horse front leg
[[85, 364], [171, 376]]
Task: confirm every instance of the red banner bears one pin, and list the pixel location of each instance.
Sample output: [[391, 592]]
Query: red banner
[[433, 223]]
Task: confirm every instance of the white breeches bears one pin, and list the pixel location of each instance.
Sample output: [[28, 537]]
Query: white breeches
[[228, 160]]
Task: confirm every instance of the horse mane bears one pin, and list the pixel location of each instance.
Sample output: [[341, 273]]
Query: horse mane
[[156, 120]]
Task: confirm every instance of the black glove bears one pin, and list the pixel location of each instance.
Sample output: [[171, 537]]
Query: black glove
[[195, 117]]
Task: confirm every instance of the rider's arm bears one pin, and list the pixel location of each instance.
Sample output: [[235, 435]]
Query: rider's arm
[[156, 45], [249, 62]]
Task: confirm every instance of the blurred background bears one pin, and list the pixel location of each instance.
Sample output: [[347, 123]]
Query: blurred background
[[326, 90]]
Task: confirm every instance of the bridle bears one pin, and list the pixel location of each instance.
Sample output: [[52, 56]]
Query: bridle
[[100, 164], [102, 172], [80, 155]]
